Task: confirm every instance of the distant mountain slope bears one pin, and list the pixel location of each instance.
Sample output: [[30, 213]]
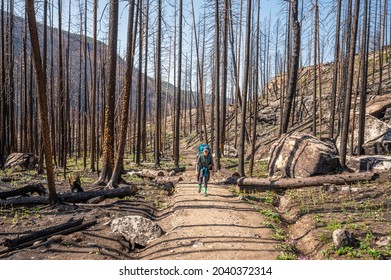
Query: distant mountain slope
[[73, 47]]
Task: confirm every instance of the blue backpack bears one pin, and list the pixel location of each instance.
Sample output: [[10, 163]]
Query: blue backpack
[[202, 147]]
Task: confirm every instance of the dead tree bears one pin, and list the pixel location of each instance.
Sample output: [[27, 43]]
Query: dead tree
[[335, 70], [246, 67], [345, 127], [294, 67], [179, 86], [158, 86], [125, 101], [111, 70], [42, 97], [93, 91], [364, 78]]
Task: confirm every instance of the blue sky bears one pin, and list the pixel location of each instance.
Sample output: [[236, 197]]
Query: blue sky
[[269, 8]]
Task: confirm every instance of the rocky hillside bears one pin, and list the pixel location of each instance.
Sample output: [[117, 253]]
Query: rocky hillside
[[378, 106]]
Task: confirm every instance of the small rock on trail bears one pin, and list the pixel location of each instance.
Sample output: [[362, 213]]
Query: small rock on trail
[[136, 229]]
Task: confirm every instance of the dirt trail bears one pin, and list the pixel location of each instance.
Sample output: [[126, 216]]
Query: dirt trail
[[217, 226]]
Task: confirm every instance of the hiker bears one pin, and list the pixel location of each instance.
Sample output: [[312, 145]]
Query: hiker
[[203, 167]]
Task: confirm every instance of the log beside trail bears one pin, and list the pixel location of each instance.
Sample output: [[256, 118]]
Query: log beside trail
[[32, 188], [41, 233], [72, 197], [176, 169], [70, 227], [151, 174], [292, 183], [164, 180]]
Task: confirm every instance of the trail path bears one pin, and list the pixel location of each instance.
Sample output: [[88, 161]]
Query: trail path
[[217, 226]]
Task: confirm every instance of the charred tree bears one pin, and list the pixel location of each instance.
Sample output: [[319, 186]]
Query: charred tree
[[110, 83], [42, 97]]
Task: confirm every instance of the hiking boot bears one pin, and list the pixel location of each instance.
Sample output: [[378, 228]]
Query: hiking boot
[[199, 188], [205, 191]]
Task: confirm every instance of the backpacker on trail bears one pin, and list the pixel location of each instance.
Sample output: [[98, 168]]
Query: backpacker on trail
[[203, 167]]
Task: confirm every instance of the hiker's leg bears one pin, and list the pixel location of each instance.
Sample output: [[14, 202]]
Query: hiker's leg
[[205, 183], [200, 176]]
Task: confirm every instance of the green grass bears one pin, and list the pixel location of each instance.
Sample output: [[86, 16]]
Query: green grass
[[22, 213], [333, 225], [267, 197], [286, 256], [365, 250], [261, 169], [270, 215]]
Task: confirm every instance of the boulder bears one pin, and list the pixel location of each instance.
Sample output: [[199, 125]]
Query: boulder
[[300, 155], [383, 241], [387, 116], [380, 145], [230, 152], [370, 163], [343, 238], [136, 229], [378, 105], [267, 119], [375, 131], [23, 160]]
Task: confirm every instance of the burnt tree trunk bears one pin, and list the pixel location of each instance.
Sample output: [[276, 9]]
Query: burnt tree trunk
[[294, 67], [42, 96], [110, 80]]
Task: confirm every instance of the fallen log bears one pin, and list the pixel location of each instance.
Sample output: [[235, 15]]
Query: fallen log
[[9, 180], [151, 174], [33, 188], [33, 236], [231, 180], [72, 197], [229, 177], [291, 183], [176, 169], [164, 180], [63, 232]]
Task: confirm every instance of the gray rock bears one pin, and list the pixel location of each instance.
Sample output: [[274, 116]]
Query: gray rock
[[55, 239], [267, 118], [375, 131], [23, 160], [300, 155], [198, 244], [66, 208], [383, 241], [370, 163], [346, 189], [230, 152], [136, 229], [380, 145], [343, 238], [387, 115], [329, 188]]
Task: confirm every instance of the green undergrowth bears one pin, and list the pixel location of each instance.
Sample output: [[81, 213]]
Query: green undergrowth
[[15, 215]]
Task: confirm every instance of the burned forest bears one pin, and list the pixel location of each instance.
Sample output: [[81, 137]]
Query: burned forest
[[195, 130]]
